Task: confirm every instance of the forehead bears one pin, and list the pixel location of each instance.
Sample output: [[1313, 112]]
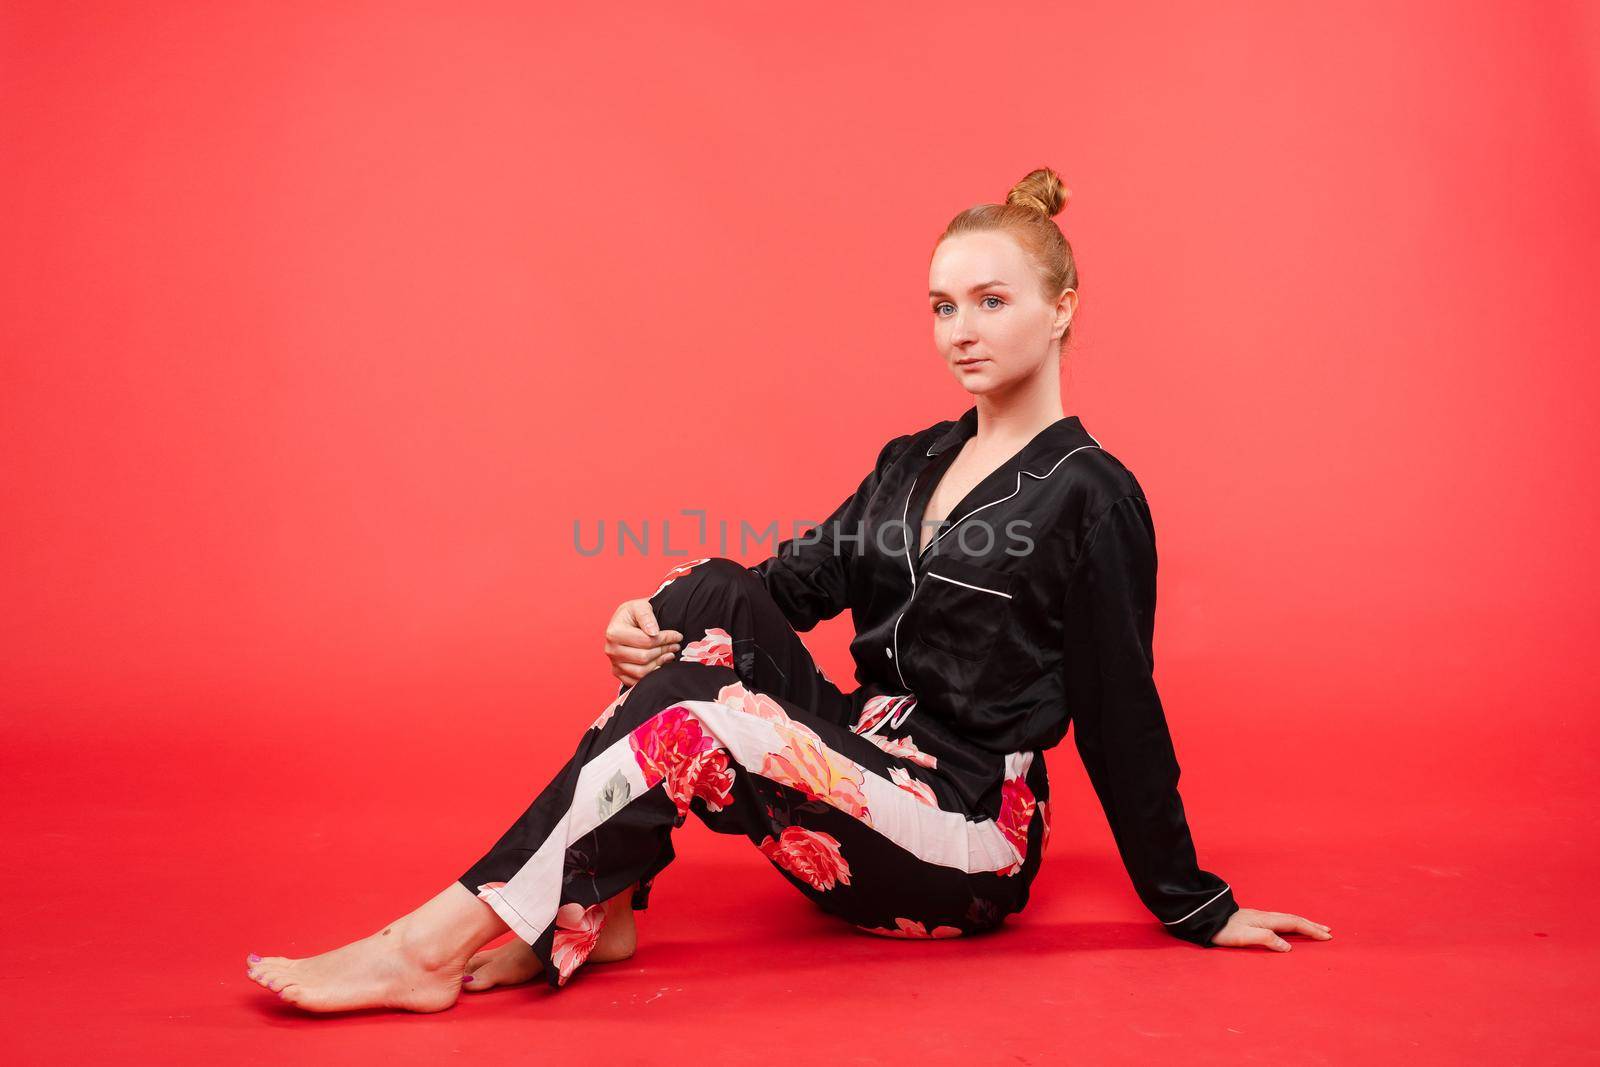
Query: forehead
[[962, 262]]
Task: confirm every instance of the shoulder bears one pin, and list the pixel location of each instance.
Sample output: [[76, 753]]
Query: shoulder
[[1100, 499], [913, 442], [1099, 480]]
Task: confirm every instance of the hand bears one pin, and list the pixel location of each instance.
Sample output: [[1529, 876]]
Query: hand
[[635, 644], [1248, 927]]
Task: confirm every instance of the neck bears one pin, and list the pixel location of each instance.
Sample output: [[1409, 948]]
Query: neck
[[1021, 411]]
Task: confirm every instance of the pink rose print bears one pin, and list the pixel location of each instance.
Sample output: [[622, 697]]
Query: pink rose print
[[707, 775], [921, 790], [911, 928], [1016, 811], [875, 709], [1044, 819], [762, 706], [806, 764], [715, 649], [491, 885], [605, 716], [666, 740], [577, 931], [810, 855], [905, 748], [672, 747]]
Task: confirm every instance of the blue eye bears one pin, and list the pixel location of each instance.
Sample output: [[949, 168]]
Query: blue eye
[[938, 308]]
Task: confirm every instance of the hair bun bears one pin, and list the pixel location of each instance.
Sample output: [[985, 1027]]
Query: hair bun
[[1041, 190]]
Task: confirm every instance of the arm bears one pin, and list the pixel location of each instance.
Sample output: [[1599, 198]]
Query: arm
[[809, 576], [1120, 729]]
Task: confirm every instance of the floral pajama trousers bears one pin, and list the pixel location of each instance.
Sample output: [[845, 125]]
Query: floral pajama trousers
[[889, 821]]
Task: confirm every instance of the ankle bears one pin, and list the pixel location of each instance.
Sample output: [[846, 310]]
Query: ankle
[[432, 950]]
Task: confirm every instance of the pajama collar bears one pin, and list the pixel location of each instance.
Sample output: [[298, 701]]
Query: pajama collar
[[1038, 457]]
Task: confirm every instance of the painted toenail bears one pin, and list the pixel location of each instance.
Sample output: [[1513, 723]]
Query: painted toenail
[[254, 958]]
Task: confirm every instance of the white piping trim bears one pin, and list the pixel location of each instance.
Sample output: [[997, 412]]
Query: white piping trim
[[979, 588], [1008, 496], [905, 524], [895, 637], [1202, 907]]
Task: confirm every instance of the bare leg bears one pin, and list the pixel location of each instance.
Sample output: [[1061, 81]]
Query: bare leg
[[514, 962], [415, 963]]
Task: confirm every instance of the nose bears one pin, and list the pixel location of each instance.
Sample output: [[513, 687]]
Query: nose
[[960, 332]]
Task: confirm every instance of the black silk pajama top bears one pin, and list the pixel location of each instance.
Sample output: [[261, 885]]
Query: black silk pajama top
[[1032, 609]]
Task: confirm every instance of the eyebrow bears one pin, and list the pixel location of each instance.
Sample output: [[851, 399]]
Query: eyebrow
[[974, 289]]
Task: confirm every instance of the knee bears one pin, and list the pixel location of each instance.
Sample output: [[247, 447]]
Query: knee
[[718, 571], [708, 580]]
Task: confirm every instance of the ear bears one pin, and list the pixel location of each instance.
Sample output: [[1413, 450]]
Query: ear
[[1066, 308]]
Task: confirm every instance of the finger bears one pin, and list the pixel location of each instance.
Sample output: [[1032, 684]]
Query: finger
[[664, 640], [1302, 925], [646, 618], [638, 672], [632, 637], [1261, 935]]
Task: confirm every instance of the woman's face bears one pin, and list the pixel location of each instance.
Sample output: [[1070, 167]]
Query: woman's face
[[990, 323]]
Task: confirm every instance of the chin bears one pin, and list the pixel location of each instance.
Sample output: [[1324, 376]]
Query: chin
[[978, 384]]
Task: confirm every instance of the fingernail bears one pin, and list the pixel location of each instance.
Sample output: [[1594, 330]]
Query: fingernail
[[254, 958], [467, 979]]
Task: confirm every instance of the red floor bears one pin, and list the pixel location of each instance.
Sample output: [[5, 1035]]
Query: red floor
[[140, 874]]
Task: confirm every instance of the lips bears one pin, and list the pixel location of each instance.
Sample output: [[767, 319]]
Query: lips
[[971, 362]]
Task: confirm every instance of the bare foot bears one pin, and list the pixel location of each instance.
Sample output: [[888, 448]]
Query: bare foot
[[509, 964], [514, 962], [378, 971], [415, 963]]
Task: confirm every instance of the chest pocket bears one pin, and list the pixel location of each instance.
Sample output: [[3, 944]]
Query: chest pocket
[[962, 608]]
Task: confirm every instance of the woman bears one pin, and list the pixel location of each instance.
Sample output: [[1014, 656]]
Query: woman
[[1000, 571]]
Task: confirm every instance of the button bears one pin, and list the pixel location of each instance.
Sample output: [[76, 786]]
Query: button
[[889, 653]]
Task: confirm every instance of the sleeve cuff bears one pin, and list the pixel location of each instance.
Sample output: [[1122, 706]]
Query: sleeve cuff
[[1201, 925]]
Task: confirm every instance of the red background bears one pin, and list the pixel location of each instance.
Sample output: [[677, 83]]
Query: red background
[[321, 326]]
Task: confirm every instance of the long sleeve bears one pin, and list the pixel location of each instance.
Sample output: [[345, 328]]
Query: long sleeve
[[1120, 728], [809, 575]]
